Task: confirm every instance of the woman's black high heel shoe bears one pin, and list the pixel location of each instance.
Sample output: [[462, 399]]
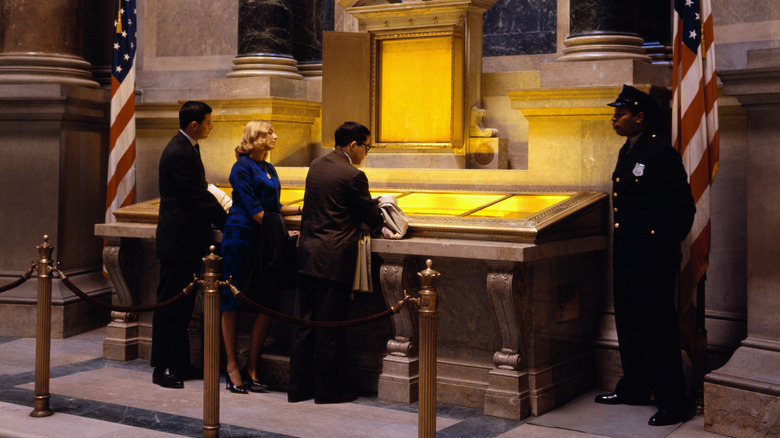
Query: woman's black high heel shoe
[[230, 386], [251, 384]]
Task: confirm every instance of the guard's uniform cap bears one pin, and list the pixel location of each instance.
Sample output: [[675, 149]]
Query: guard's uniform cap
[[635, 100]]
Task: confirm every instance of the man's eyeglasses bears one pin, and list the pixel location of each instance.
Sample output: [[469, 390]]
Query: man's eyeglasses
[[365, 145]]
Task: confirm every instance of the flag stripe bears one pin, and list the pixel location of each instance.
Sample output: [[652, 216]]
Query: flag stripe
[[696, 136], [120, 185]]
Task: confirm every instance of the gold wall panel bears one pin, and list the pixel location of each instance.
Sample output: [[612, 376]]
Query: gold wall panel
[[415, 90]]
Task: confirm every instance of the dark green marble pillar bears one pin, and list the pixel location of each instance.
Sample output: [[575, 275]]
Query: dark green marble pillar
[[603, 29], [265, 39], [655, 28], [311, 18]]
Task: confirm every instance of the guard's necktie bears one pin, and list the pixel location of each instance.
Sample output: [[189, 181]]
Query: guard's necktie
[[197, 149]]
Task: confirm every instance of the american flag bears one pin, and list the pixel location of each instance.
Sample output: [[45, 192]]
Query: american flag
[[695, 135], [120, 190]]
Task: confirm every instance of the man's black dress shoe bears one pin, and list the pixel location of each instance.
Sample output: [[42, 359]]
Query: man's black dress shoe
[[337, 398], [614, 398], [166, 378], [666, 417], [189, 372]]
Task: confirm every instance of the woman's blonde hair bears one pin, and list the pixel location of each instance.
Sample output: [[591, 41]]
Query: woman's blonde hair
[[253, 132]]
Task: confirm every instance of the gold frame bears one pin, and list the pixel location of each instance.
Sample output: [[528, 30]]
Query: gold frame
[[456, 80]]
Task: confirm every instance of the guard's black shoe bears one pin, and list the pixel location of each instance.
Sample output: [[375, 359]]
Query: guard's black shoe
[[666, 417], [166, 378], [614, 398]]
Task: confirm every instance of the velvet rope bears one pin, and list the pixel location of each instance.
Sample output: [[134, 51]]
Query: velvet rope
[[144, 308], [321, 324], [26, 276]]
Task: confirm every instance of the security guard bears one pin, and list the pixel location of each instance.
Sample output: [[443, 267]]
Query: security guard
[[653, 213]]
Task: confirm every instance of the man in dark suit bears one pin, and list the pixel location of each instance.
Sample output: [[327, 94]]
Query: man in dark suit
[[337, 204], [188, 213], [653, 213]]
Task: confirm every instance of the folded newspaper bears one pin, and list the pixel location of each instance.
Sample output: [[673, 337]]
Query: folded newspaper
[[224, 200]]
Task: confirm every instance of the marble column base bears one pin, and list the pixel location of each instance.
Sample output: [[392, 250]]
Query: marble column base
[[265, 64], [600, 47], [507, 395], [26, 68], [310, 69], [742, 398], [122, 341], [399, 380]]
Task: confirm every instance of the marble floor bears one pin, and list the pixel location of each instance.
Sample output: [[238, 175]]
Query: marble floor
[[96, 397]]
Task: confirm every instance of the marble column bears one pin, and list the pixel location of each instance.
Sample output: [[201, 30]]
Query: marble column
[[742, 398], [265, 39], [603, 29], [98, 25], [311, 18], [42, 43], [656, 30]]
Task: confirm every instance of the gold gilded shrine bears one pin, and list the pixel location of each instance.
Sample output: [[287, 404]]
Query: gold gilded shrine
[[413, 71]]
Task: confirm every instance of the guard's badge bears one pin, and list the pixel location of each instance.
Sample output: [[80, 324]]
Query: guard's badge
[[639, 169]]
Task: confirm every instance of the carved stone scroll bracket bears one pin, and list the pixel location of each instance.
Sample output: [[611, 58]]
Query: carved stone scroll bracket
[[122, 333], [123, 297], [404, 324], [476, 127], [508, 394], [399, 380], [501, 292]]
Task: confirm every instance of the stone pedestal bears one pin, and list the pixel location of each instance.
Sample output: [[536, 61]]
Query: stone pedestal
[[53, 172], [742, 397], [516, 322]]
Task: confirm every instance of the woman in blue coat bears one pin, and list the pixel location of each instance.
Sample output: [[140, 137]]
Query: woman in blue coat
[[256, 190]]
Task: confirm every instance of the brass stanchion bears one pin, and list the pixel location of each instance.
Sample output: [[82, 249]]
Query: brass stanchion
[[43, 334], [427, 302], [211, 329]]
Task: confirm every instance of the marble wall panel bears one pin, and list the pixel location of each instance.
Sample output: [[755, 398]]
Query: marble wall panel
[[520, 27], [744, 11], [194, 28]]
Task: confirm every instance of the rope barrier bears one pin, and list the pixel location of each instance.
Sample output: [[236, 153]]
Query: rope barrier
[[240, 296], [26, 276], [143, 308], [322, 324]]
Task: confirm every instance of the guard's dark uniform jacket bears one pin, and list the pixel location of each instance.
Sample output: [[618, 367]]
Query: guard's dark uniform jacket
[[653, 206], [653, 211]]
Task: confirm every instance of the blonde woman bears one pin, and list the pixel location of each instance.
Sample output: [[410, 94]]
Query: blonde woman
[[255, 214]]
